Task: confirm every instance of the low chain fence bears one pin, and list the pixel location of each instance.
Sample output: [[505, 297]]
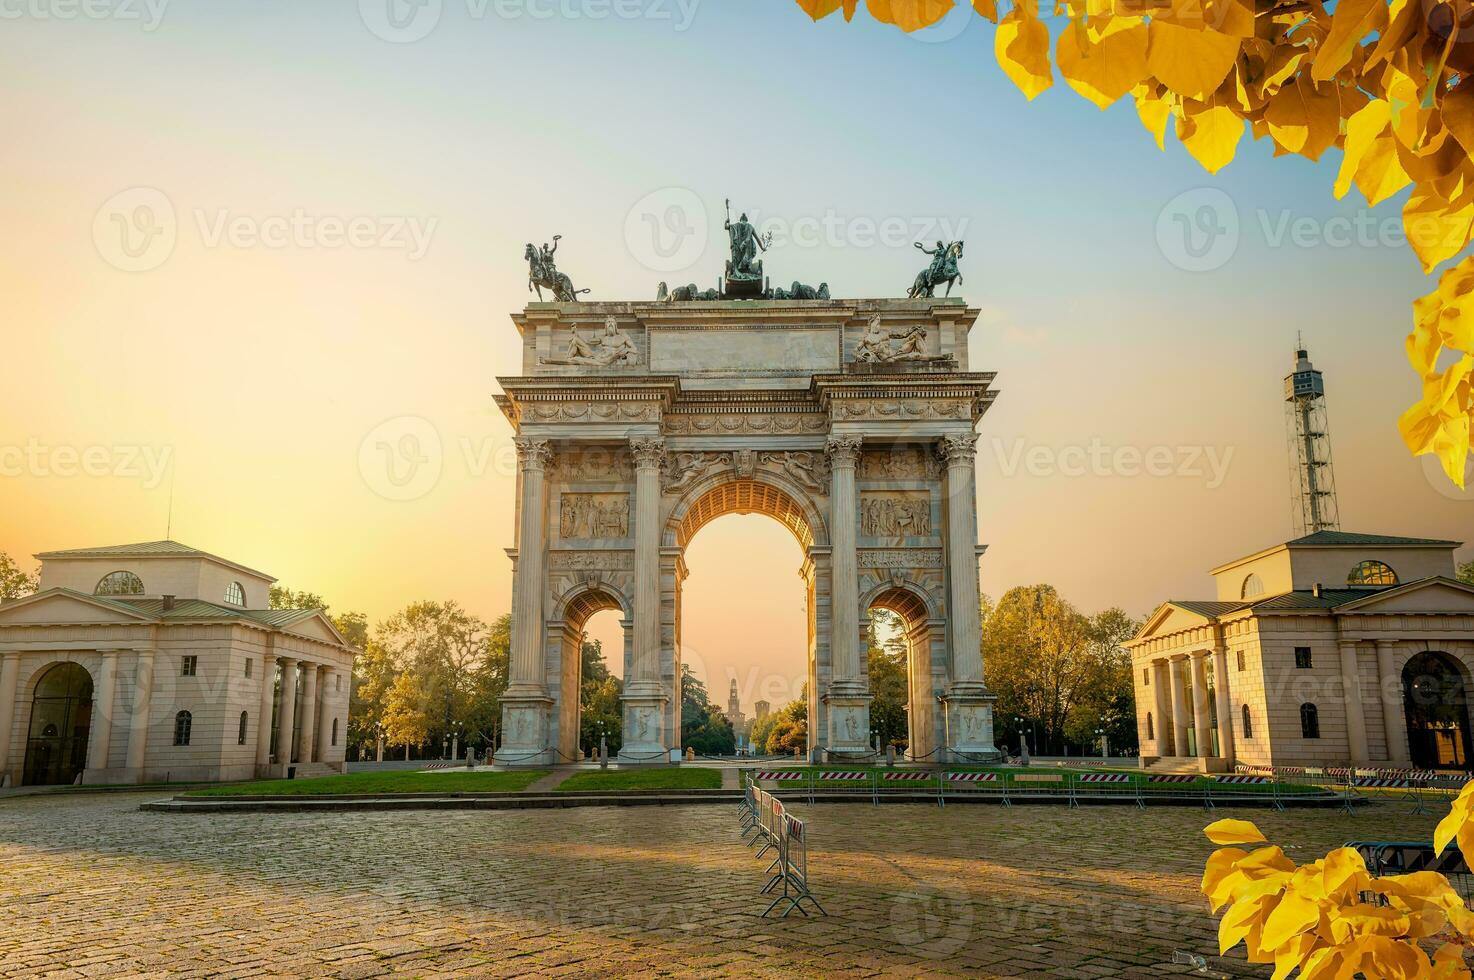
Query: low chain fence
[[766, 824]]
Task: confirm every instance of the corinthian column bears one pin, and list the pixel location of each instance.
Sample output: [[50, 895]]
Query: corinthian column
[[969, 706], [644, 698], [848, 697], [524, 706]]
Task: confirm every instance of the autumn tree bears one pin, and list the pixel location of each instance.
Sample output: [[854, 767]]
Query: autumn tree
[[15, 583], [1037, 650], [600, 709], [1385, 81], [1108, 699], [888, 682], [1466, 573], [406, 718]]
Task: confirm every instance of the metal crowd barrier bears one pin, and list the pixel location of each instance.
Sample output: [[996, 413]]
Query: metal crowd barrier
[[765, 823], [1403, 857]]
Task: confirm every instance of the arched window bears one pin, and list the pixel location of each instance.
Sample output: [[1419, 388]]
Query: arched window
[[1248, 726], [182, 723], [1309, 721], [119, 583], [235, 594], [1150, 733], [1372, 573], [1253, 586], [240, 738], [335, 731]]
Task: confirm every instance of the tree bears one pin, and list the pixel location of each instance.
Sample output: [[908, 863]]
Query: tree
[[600, 706], [789, 733], [889, 688], [703, 729], [15, 583], [1037, 647], [1109, 698], [406, 721], [1466, 573], [281, 597], [1386, 81], [444, 648]]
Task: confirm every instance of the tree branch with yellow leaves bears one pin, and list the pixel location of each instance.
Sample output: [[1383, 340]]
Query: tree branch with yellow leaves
[[1386, 82]]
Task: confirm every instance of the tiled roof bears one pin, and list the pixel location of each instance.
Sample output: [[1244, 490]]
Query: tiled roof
[[1205, 608], [1350, 538], [142, 549], [1305, 599], [200, 609]]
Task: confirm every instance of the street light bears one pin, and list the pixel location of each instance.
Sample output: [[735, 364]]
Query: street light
[[1100, 733]]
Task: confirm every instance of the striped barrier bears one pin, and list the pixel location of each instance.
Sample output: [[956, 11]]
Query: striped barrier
[[1164, 777], [972, 777], [1379, 782], [780, 775], [851, 776], [1104, 777], [905, 776], [1242, 780]]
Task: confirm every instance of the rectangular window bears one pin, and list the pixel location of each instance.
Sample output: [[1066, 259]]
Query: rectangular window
[[1146, 677], [1302, 658], [249, 661], [190, 665], [1241, 660], [337, 682]]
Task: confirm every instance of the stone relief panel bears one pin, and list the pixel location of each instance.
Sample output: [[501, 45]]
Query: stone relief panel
[[809, 470], [594, 515], [591, 412], [900, 558], [896, 514], [735, 424], [904, 408], [563, 561], [900, 464], [592, 465], [609, 347]]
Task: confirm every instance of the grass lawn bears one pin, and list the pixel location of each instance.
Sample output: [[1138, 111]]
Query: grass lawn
[[644, 779], [383, 782]]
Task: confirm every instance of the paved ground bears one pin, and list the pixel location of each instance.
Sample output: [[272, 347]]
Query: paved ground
[[89, 886]]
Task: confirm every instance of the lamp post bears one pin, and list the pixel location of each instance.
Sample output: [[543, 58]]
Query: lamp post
[[379, 748], [1100, 733], [603, 746], [457, 730]]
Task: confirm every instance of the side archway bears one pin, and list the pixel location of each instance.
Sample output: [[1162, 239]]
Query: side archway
[[60, 725], [574, 607], [1436, 707], [925, 637]]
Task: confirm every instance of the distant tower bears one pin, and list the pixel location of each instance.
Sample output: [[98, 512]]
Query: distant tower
[[1312, 480], [734, 710]]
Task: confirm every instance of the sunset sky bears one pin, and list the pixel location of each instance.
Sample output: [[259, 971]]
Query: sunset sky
[[241, 373]]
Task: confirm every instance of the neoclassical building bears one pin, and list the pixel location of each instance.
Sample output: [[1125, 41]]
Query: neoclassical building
[[158, 662], [850, 422], [1331, 649]]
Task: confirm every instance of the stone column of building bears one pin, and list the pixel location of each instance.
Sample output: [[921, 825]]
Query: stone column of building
[[263, 711], [1202, 716], [100, 738], [524, 706], [1162, 720], [287, 716], [1223, 702], [9, 678], [308, 749], [1179, 705], [645, 698], [969, 713], [326, 713], [848, 695], [1356, 723], [1389, 685], [143, 701]]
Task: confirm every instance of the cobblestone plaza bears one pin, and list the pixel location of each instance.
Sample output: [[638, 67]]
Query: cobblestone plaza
[[94, 887]]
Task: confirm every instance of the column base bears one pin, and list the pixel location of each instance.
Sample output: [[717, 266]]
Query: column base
[[644, 705], [525, 731], [968, 719], [849, 721]]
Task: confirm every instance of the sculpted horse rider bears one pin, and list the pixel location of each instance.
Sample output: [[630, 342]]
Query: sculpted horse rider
[[543, 273], [943, 269]]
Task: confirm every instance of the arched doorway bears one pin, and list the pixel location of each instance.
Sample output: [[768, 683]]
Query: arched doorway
[[588, 598], [924, 666], [722, 497], [61, 718], [1436, 705]]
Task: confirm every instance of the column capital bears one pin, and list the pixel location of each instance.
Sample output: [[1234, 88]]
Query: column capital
[[843, 451], [1385, 644], [648, 453], [1199, 654], [533, 454], [958, 450]]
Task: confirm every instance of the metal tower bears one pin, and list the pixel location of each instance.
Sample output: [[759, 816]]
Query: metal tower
[[1312, 480]]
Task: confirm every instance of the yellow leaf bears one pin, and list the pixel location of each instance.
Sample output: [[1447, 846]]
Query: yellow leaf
[[1437, 228], [1343, 872], [1458, 114], [1362, 130], [909, 15], [1219, 867], [1104, 69], [1233, 832], [986, 8], [1212, 136], [1304, 119], [1352, 21], [1021, 44], [1292, 916], [1154, 111], [1190, 62], [1237, 922], [819, 9], [1233, 17], [1292, 954]]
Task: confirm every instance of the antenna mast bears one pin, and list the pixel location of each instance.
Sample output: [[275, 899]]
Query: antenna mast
[[1312, 480]]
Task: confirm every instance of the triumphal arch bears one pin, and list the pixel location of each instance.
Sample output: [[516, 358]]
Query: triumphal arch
[[851, 422]]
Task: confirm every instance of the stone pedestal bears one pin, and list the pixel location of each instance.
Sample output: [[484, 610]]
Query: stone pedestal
[[644, 745], [968, 714], [525, 732], [849, 721]]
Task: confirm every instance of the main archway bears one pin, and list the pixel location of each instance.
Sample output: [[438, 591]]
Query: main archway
[[1436, 706], [61, 721]]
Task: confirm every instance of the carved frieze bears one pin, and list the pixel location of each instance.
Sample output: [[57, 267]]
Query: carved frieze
[[594, 515], [904, 408], [612, 561], [610, 347], [739, 424], [808, 470], [591, 465], [899, 464], [632, 411], [891, 515], [899, 558]]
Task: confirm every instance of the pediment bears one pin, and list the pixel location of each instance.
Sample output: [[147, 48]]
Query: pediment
[[62, 607], [316, 627], [1433, 595], [1171, 618]]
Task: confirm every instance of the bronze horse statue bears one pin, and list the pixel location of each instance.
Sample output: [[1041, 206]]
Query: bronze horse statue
[[944, 270], [543, 275]]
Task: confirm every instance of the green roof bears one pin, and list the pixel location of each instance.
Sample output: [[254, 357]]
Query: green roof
[[1352, 539], [149, 549]]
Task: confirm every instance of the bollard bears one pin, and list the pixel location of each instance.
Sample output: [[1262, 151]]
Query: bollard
[[890, 755], [603, 752]]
